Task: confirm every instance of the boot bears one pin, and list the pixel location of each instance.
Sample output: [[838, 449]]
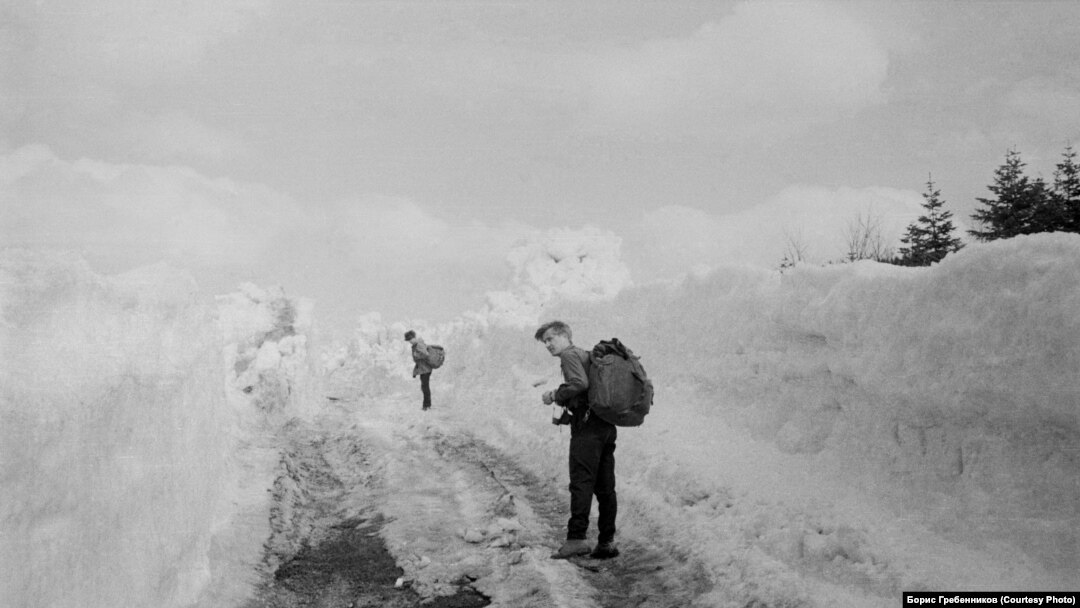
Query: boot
[[605, 550], [570, 548]]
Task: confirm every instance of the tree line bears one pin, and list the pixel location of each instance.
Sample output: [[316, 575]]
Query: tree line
[[1019, 205]]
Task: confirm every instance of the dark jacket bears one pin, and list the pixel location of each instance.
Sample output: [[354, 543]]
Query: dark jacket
[[419, 356], [573, 393]]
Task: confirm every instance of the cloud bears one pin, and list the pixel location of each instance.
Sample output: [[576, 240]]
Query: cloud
[[386, 228], [123, 40], [398, 233], [70, 70], [1047, 101], [123, 216], [174, 134], [768, 71], [675, 240], [392, 254], [822, 218], [378, 253], [402, 258]]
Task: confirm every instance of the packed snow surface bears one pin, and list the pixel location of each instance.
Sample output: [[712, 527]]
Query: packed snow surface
[[830, 436]]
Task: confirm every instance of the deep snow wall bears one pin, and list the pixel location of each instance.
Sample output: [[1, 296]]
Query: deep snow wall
[[966, 379], [138, 425], [107, 388]]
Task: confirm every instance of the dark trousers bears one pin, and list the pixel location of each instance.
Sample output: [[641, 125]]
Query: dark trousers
[[592, 473], [425, 387]]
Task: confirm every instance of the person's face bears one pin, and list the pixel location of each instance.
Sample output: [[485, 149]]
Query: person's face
[[556, 343]]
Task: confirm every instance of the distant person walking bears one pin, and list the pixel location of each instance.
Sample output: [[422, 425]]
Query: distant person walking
[[421, 368], [592, 448]]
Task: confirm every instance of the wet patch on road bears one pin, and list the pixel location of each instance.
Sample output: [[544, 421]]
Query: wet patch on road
[[350, 568], [321, 556]]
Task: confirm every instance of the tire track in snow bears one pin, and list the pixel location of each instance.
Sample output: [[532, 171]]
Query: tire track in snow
[[640, 577], [432, 484], [450, 519]]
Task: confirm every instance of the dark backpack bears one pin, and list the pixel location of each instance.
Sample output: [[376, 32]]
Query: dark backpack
[[619, 390], [435, 355]]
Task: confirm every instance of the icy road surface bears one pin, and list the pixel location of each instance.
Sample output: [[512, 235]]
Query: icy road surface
[[453, 512]]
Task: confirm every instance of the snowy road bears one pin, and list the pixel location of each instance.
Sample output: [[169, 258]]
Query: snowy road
[[454, 512], [818, 442]]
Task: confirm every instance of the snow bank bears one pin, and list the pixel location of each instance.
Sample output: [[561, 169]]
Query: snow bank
[[113, 462], [826, 437], [130, 467], [568, 265], [963, 387]]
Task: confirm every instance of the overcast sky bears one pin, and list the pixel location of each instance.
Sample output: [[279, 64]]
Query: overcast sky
[[386, 155]]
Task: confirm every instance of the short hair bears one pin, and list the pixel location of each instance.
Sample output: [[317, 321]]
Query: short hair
[[409, 335], [556, 326]]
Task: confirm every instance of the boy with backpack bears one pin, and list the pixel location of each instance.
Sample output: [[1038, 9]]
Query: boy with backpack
[[592, 448], [422, 367]]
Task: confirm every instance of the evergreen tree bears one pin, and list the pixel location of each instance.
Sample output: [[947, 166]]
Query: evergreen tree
[[930, 238], [1066, 191], [1047, 212], [1020, 205]]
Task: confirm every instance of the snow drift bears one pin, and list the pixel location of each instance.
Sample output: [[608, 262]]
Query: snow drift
[[829, 436], [133, 417]]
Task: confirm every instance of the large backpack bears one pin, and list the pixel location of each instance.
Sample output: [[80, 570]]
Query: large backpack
[[619, 390], [435, 355]]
